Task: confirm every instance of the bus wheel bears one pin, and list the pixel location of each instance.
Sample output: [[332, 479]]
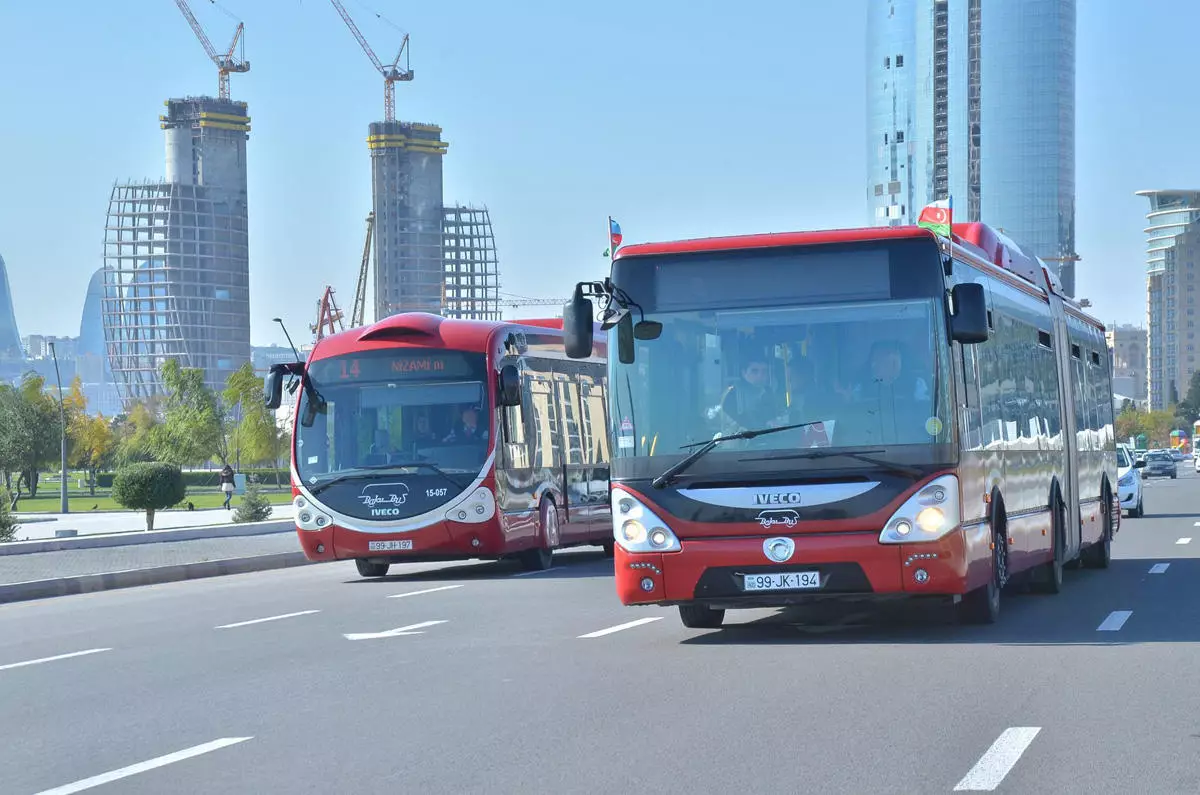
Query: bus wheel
[[701, 616], [982, 606], [541, 557], [368, 569], [1099, 555], [1049, 577]]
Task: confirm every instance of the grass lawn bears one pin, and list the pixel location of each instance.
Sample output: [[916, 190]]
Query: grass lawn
[[47, 500]]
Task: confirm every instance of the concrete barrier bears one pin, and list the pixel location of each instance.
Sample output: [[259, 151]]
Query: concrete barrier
[[142, 537]]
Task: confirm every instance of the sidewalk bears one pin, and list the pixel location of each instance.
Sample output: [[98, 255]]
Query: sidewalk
[[36, 526]]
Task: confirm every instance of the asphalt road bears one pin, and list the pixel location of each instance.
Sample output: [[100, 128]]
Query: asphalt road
[[507, 683]]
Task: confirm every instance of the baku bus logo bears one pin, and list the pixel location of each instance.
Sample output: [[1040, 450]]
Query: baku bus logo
[[788, 518], [384, 499]]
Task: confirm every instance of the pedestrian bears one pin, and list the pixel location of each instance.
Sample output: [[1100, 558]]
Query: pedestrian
[[227, 484]]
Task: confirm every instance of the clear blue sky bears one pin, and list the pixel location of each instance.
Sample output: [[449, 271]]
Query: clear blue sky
[[678, 117]]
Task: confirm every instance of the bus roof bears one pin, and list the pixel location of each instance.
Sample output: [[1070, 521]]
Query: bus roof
[[988, 246], [423, 329]]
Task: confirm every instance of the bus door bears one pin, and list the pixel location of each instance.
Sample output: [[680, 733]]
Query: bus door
[[575, 472], [594, 436]]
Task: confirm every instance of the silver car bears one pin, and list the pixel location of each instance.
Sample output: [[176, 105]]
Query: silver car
[[1160, 465]]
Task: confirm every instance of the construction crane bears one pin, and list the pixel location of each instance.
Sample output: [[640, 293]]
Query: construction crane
[[329, 317], [391, 74], [517, 301], [226, 64], [358, 315]]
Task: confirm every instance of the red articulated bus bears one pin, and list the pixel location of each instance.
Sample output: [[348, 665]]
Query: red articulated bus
[[422, 438], [845, 413]]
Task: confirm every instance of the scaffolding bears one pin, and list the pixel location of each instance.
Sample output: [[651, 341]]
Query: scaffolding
[[471, 279]]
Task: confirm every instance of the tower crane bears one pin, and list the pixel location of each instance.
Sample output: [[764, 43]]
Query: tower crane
[[329, 316], [227, 63], [358, 314], [392, 74]]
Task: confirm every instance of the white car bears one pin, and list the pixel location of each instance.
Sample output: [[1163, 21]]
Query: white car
[[1129, 482]]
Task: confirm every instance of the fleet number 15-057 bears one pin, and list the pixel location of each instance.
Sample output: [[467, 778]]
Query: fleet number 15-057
[[436, 492]]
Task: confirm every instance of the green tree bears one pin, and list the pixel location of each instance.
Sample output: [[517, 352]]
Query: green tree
[[8, 520], [149, 487], [191, 431], [93, 446], [29, 432], [253, 432], [254, 507], [133, 432]]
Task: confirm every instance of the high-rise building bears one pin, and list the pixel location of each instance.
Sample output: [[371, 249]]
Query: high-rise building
[[11, 348], [406, 193], [176, 254], [1172, 284], [1128, 346], [470, 274], [91, 355], [978, 103]]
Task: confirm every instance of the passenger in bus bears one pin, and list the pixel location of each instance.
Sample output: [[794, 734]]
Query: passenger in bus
[[888, 376], [423, 435], [468, 429]]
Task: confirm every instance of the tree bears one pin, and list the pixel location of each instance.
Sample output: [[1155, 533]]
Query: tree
[[254, 507], [8, 522], [93, 446], [192, 428], [29, 432], [149, 487], [253, 428], [133, 434]]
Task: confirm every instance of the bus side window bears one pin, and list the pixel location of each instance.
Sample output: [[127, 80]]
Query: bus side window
[[568, 407], [595, 425], [517, 446], [544, 423]]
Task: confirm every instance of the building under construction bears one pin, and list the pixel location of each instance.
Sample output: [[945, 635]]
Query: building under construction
[[471, 273], [176, 254]]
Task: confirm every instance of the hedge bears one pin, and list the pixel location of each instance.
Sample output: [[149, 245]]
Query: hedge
[[210, 479]]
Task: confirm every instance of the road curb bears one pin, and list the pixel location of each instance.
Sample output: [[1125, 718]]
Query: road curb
[[136, 537], [132, 578]]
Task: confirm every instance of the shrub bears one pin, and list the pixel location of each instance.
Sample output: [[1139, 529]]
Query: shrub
[[254, 507], [148, 487], [8, 520]]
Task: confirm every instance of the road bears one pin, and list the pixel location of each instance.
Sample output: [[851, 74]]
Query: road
[[477, 678]]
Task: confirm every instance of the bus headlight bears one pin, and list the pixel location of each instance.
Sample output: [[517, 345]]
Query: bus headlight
[[927, 515], [308, 516], [479, 507], [638, 529]]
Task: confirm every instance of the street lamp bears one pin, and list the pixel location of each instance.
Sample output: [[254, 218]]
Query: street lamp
[[62, 415], [279, 320]]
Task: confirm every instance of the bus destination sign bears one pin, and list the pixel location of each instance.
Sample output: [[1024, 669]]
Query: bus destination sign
[[390, 365]]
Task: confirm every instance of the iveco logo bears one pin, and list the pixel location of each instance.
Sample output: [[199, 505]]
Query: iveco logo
[[777, 498], [779, 549]]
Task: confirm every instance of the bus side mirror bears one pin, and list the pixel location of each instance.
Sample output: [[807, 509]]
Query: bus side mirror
[[625, 335], [969, 323], [508, 386], [647, 330], [273, 388], [578, 326]]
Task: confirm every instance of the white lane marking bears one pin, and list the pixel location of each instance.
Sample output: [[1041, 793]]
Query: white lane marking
[[1195, 524], [51, 659], [619, 627], [427, 590], [142, 767], [392, 633], [1159, 568], [1184, 541], [531, 573], [1116, 619], [263, 620], [998, 760]]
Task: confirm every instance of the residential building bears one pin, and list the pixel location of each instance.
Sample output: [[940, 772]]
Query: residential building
[[978, 103], [1128, 346], [1172, 253]]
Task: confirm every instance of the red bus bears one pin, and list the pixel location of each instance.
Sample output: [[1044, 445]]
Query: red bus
[[845, 413], [421, 438]]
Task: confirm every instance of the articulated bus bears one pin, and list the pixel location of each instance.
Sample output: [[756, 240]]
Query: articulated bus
[[421, 438], [820, 415]]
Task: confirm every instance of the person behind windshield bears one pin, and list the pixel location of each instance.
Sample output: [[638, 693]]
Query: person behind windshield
[[751, 403], [888, 375], [468, 429], [423, 434]]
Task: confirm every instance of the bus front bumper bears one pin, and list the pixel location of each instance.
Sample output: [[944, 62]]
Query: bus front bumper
[[723, 572], [437, 541]]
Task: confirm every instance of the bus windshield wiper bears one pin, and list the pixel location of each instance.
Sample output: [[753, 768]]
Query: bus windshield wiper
[[359, 473], [864, 456], [673, 472]]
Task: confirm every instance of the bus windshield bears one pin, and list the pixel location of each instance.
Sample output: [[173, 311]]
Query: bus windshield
[[872, 373], [417, 417]]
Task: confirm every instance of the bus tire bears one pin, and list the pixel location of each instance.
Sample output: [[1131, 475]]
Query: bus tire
[[701, 617], [1099, 555], [541, 557], [1049, 576], [368, 569], [982, 606]]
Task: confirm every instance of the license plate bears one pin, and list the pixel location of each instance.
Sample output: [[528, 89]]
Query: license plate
[[781, 582], [388, 546]]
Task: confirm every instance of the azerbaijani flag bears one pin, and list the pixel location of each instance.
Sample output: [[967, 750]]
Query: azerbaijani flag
[[614, 234], [938, 217]]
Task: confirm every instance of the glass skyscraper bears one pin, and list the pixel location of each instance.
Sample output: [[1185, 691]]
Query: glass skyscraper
[[978, 103]]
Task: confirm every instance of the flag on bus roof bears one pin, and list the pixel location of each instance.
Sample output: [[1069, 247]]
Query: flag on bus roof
[[938, 217], [614, 234]]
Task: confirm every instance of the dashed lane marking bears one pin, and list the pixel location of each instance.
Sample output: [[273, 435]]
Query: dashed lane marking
[[998, 760], [51, 659], [264, 620], [1184, 541], [1159, 568], [629, 625], [1116, 619], [427, 590], [411, 629], [142, 767]]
